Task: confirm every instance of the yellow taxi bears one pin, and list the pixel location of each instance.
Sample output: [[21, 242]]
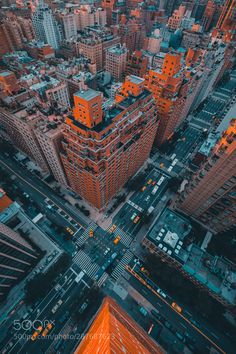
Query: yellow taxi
[[91, 233], [149, 181], [176, 307], [117, 240], [46, 330], [36, 333]]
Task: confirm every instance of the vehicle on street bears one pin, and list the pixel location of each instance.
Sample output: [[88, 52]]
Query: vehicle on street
[[68, 229], [116, 240], [176, 307], [133, 216], [58, 304], [136, 220], [46, 330], [143, 311], [36, 333], [91, 233], [143, 188], [112, 229], [149, 181]]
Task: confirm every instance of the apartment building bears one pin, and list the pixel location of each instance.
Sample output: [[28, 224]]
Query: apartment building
[[210, 194], [104, 148], [116, 59]]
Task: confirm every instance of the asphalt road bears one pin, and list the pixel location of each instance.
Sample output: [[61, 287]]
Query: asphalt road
[[19, 341], [40, 190], [203, 337], [140, 202]]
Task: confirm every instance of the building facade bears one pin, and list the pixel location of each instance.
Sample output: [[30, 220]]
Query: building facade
[[103, 149], [113, 330], [210, 194], [17, 257], [116, 58]]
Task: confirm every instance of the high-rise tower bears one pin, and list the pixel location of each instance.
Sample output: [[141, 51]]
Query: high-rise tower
[[104, 148], [45, 26], [210, 195], [113, 331]]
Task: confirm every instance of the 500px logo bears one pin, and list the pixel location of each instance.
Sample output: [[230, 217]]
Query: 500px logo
[[28, 324]]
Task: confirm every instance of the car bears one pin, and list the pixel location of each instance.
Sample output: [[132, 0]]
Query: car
[[68, 229], [143, 311], [112, 229], [136, 220], [161, 293], [162, 165], [145, 271], [36, 333], [154, 182], [149, 181], [91, 232], [107, 251], [176, 307], [143, 188], [147, 199], [133, 216], [46, 330], [116, 240]]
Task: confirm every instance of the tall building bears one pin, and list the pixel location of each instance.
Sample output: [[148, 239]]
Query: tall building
[[169, 90], [113, 331], [69, 25], [227, 17], [17, 257], [208, 15], [136, 64], [116, 58], [8, 82], [210, 194], [45, 26], [176, 18], [103, 149]]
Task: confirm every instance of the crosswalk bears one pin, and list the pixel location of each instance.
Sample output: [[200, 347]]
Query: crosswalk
[[119, 269], [125, 239], [102, 279], [85, 235], [85, 263]]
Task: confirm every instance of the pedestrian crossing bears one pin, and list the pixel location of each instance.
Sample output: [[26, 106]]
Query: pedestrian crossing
[[85, 235], [85, 263], [119, 269], [102, 279], [125, 239]]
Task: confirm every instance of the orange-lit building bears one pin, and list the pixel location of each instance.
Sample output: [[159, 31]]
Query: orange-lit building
[[104, 148], [169, 90], [39, 50], [136, 64], [210, 195], [5, 201], [8, 82], [227, 19], [113, 331]]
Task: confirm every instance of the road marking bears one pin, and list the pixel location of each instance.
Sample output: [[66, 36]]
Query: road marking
[[32, 186], [173, 309]]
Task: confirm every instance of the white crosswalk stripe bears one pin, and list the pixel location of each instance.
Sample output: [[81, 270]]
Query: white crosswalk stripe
[[102, 279], [84, 262], [119, 269], [85, 235], [125, 239]]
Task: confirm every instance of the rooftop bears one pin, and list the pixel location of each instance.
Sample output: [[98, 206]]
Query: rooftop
[[117, 49], [169, 233], [5, 73], [136, 79], [218, 274], [88, 94]]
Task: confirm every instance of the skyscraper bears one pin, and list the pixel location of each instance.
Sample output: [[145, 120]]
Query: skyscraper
[[17, 257], [113, 331], [116, 58], [103, 149], [210, 195], [169, 91], [45, 26], [228, 15]]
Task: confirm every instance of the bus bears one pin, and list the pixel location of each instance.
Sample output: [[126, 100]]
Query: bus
[[37, 218]]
